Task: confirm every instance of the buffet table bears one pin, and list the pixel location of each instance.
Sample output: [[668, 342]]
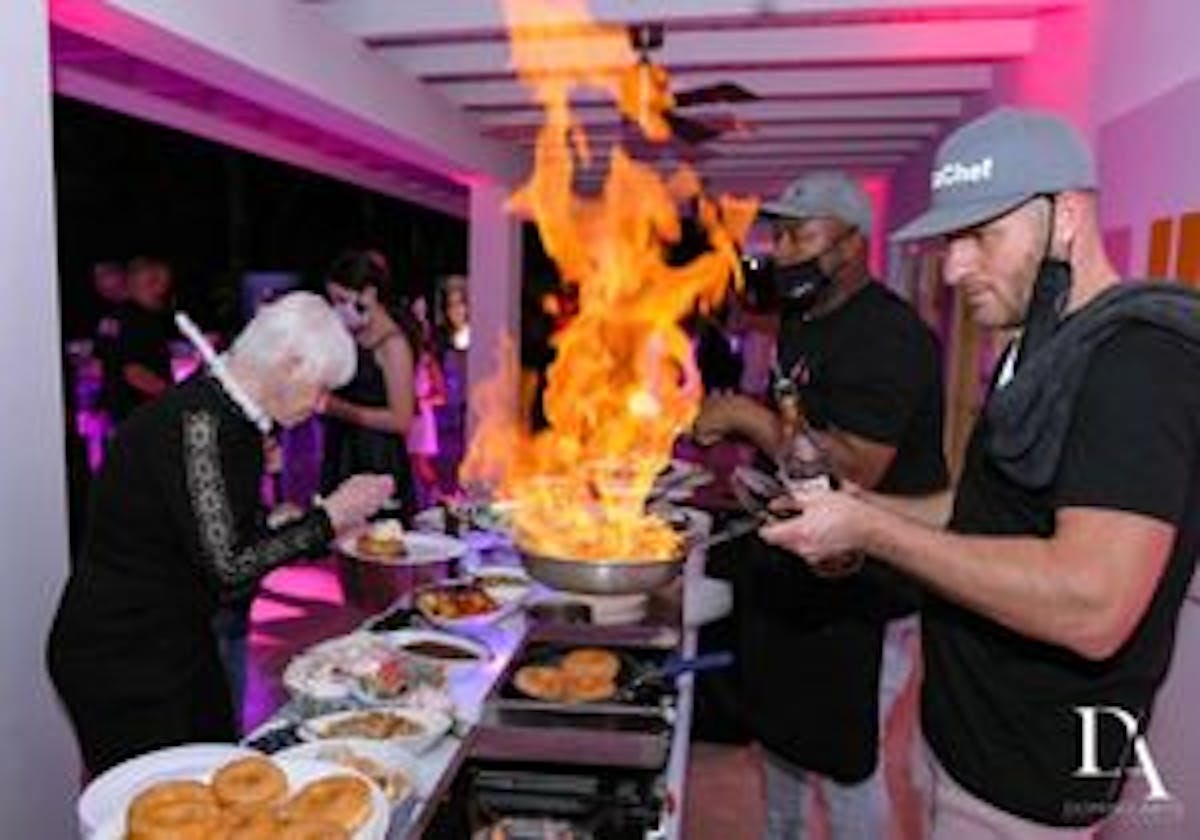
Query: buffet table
[[436, 769]]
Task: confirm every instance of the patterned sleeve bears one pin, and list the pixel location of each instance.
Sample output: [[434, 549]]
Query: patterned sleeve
[[234, 558]]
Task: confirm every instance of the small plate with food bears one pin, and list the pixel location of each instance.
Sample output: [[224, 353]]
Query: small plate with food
[[415, 730], [454, 653], [507, 584], [327, 675], [386, 542], [461, 604], [253, 796]]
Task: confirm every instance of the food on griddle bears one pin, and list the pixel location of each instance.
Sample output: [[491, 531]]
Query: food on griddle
[[540, 682], [456, 602], [587, 688], [378, 725], [439, 650], [583, 675], [384, 538], [592, 661]]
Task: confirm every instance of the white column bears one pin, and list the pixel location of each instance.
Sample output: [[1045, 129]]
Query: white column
[[495, 280], [39, 772]]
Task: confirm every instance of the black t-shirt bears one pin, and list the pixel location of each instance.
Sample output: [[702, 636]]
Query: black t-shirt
[[872, 368], [810, 648], [143, 340], [999, 708]]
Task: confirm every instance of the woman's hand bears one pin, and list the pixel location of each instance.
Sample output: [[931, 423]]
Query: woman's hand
[[356, 498]]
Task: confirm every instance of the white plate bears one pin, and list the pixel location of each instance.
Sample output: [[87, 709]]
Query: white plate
[[504, 609], [421, 549], [393, 760], [434, 726], [299, 773], [110, 792], [306, 675], [505, 593], [399, 638]]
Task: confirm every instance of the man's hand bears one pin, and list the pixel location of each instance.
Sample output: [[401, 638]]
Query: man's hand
[[356, 498], [829, 526]]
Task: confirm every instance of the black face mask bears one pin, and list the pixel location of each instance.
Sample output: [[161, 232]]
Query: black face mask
[[800, 285], [1050, 292]]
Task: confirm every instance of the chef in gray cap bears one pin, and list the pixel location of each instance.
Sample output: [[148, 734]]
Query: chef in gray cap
[[1060, 568], [857, 381]]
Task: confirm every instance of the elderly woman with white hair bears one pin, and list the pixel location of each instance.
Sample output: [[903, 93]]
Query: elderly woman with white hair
[[177, 527]]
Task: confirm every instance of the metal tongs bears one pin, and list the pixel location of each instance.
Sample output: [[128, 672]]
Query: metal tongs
[[754, 491]]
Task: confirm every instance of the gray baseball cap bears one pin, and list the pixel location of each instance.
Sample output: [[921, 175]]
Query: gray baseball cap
[[996, 163], [823, 194]]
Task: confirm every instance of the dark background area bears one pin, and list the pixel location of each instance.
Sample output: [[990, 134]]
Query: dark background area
[[127, 187]]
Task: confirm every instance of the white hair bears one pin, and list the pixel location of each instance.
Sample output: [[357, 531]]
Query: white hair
[[303, 326]]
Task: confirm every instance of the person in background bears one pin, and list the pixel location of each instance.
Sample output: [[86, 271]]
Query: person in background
[[430, 388], [367, 420], [825, 656], [454, 330], [178, 528], [112, 291], [141, 363]]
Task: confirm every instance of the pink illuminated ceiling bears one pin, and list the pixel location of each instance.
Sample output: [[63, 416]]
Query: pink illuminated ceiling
[[860, 84], [416, 98]]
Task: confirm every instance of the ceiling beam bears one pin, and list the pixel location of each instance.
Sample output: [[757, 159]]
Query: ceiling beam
[[904, 108], [825, 82], [948, 41], [755, 134], [284, 56], [218, 125], [427, 19]]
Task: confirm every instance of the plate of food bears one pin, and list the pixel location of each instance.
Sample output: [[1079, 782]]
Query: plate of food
[[452, 652], [109, 792], [583, 675], [386, 542], [328, 675], [415, 730], [456, 604], [390, 768], [253, 796], [506, 584]]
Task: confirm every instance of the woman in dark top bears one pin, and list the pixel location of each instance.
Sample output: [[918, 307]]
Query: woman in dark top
[[455, 341], [367, 420], [176, 527]]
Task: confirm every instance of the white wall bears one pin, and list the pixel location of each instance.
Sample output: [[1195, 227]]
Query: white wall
[[495, 283], [1146, 109], [38, 769]]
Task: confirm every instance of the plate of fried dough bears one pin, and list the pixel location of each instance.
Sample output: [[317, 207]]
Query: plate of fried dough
[[254, 798]]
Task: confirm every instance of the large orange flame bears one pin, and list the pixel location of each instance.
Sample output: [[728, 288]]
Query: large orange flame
[[624, 383]]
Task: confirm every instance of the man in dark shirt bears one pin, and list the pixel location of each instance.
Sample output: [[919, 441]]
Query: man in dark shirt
[[141, 361], [1059, 576], [812, 649]]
